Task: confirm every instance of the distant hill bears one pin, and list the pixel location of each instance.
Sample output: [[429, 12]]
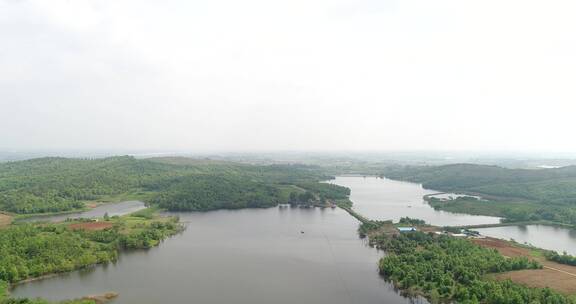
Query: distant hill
[[557, 184], [548, 194], [56, 184]]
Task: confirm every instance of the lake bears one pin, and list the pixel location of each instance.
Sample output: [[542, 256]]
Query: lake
[[251, 256], [383, 199], [275, 255], [386, 199]]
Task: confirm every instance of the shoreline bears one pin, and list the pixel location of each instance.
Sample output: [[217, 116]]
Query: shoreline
[[552, 274]]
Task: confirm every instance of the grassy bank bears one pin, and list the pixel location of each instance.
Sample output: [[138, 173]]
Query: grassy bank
[[511, 213]]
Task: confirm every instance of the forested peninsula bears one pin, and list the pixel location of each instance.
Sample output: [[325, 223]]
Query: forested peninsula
[[30, 251]]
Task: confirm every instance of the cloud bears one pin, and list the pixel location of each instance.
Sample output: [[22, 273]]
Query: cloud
[[297, 75]]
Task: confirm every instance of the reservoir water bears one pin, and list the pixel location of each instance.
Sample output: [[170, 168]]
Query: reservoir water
[[276, 255], [385, 199], [381, 198], [251, 256]]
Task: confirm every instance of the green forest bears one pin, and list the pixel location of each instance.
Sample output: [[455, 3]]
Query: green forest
[[516, 194], [208, 192], [49, 185], [444, 269]]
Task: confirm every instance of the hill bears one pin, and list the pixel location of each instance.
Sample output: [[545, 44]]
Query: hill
[[518, 194], [63, 184]]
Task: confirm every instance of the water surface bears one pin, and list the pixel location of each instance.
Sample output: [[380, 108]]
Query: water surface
[[251, 256], [277, 255], [386, 199]]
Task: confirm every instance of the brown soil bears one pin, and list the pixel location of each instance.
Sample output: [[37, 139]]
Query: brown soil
[[562, 282], [387, 229], [504, 247], [429, 228], [559, 277], [92, 205], [5, 220], [91, 225]]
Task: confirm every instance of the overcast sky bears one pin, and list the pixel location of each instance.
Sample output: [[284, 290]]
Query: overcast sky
[[229, 75]]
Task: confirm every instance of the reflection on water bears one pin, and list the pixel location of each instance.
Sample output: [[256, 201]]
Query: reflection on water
[[251, 256], [112, 209], [385, 199]]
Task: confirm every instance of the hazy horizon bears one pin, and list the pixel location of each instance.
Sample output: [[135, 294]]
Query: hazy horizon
[[252, 76]]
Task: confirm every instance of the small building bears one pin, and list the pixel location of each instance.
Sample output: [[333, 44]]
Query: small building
[[406, 229]]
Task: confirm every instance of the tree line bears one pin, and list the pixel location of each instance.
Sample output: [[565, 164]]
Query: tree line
[[62, 184], [563, 258], [33, 250], [448, 269], [516, 194]]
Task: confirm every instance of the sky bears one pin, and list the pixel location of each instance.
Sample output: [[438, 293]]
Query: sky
[[299, 75]]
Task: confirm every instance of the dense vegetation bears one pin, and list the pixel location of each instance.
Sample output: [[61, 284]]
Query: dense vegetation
[[411, 221], [369, 226], [32, 250], [563, 258], [327, 191], [516, 194], [445, 268], [62, 184], [318, 194], [41, 301], [206, 192]]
